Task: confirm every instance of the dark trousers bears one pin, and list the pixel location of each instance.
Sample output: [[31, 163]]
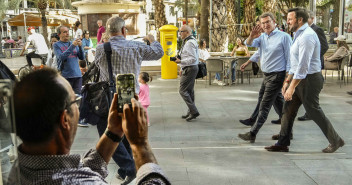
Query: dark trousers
[[278, 104], [123, 154], [269, 94], [31, 55], [76, 84], [306, 93], [186, 91]]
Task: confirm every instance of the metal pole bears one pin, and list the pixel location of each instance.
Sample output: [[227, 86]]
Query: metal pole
[[341, 17], [211, 23], [313, 8]]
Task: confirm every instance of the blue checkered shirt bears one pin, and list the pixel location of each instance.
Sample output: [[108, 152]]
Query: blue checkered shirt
[[127, 57]]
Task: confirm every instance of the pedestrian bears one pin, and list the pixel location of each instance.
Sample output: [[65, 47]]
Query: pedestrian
[[143, 80], [100, 32], [274, 53], [52, 60], [188, 60], [324, 46], [304, 84], [67, 54], [87, 43], [38, 42], [333, 35], [77, 34], [127, 57]]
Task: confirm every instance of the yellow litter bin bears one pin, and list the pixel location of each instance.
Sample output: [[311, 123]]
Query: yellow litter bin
[[168, 40]]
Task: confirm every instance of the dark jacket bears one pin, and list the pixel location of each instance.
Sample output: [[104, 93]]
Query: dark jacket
[[324, 46]]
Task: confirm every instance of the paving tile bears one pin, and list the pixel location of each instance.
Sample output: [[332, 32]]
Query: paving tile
[[208, 151]]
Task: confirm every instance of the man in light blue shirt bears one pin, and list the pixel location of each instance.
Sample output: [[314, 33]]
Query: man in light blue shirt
[[274, 53], [304, 83]]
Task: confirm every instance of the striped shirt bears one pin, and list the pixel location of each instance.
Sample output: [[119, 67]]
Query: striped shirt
[[127, 57]]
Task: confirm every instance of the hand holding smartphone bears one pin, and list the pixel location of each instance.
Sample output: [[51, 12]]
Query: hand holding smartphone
[[125, 88]]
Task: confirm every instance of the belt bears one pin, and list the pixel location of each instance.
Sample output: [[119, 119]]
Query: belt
[[272, 73]]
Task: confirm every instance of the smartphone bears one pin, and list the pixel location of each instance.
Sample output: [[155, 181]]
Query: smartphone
[[125, 88]]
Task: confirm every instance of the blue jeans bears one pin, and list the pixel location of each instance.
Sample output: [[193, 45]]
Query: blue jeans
[[76, 84], [233, 64], [123, 154]]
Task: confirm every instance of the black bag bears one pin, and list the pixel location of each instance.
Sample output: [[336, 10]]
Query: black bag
[[255, 68], [97, 97], [202, 70]]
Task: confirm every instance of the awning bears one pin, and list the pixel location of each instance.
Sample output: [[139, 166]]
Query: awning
[[34, 19]]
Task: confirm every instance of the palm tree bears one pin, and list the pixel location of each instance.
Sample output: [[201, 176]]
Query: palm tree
[[218, 29], [249, 17], [231, 21], [204, 23], [270, 6], [335, 15], [42, 7], [159, 16]]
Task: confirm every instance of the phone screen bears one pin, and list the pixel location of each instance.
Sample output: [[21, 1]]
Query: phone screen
[[125, 87]]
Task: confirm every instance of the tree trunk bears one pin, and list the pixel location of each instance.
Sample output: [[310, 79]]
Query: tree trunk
[[335, 15], [231, 21], [249, 17], [159, 16], [270, 6], [42, 5], [204, 22], [219, 31]]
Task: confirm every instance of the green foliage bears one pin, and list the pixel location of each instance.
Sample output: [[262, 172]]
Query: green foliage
[[94, 41], [230, 47]]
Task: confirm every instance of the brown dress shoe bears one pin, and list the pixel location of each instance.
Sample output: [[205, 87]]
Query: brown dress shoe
[[276, 148], [276, 136], [247, 137], [332, 148]]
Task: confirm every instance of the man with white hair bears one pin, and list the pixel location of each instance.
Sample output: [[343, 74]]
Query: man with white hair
[[38, 42], [126, 57], [100, 32], [188, 58]]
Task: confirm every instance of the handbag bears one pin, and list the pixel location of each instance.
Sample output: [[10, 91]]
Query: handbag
[[97, 96], [202, 70]]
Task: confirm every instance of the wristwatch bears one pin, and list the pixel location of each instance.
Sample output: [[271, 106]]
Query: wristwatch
[[112, 136]]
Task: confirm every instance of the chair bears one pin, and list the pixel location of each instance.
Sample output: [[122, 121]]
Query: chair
[[247, 70], [349, 68], [338, 65], [214, 65]]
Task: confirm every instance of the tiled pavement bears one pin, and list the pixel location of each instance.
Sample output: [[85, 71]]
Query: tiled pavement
[[207, 150]]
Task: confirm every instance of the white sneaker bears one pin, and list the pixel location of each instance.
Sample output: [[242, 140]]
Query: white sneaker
[[221, 83], [215, 81]]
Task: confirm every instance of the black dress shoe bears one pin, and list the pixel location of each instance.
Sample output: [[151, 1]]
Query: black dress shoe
[[247, 137], [304, 118], [248, 122], [276, 121], [192, 116], [185, 116], [276, 148], [276, 136], [349, 92]]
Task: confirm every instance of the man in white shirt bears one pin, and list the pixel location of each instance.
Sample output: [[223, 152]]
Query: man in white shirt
[[189, 59], [39, 44]]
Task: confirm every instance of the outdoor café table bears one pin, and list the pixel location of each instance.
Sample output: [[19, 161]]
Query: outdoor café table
[[227, 65]]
